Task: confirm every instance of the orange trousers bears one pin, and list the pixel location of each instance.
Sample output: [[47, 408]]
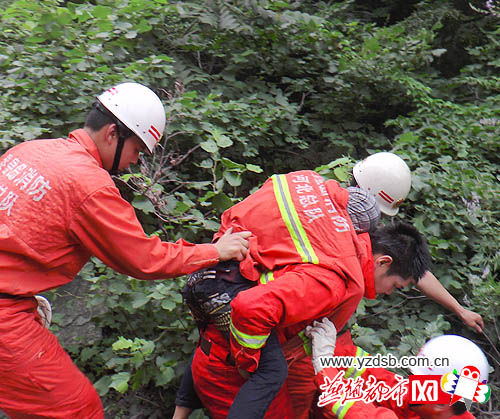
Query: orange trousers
[[38, 379]]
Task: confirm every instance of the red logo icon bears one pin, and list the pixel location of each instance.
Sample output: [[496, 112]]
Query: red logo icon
[[426, 389]]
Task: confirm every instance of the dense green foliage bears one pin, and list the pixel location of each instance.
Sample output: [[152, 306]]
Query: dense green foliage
[[252, 88]]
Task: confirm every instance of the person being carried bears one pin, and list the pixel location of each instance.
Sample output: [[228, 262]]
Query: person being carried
[[58, 207]]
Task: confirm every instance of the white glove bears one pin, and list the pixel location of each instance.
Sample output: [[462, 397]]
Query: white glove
[[45, 310], [323, 335]]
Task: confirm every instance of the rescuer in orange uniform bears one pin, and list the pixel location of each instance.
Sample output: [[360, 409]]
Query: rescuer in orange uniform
[[309, 262], [458, 350], [387, 177], [59, 206], [208, 294]]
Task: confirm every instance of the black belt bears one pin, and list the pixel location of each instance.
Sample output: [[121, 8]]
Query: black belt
[[13, 297]]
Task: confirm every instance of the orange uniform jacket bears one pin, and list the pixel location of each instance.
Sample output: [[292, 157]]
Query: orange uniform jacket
[[303, 250], [58, 206]]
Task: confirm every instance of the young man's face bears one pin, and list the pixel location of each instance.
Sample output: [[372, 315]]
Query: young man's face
[[132, 148], [386, 283]]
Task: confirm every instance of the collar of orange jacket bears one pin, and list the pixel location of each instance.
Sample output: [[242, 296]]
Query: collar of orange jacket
[[83, 138], [364, 246]]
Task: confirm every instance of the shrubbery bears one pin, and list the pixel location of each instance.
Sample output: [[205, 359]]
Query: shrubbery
[[254, 88]]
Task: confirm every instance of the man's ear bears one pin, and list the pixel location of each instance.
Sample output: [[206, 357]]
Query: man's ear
[[383, 260], [110, 133]]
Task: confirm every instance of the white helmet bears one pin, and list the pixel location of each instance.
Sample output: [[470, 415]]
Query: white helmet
[[387, 177], [460, 352], [139, 109]]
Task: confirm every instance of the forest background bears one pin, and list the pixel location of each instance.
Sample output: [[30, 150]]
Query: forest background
[[252, 88]]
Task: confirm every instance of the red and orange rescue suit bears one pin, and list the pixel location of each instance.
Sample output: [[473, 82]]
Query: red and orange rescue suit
[[58, 206], [308, 262], [388, 409]]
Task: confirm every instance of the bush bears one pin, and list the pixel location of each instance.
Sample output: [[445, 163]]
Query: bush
[[254, 88]]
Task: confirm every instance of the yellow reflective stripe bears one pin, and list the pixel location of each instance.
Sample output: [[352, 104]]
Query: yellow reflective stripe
[[307, 343], [292, 221], [359, 352], [248, 341], [266, 277], [340, 410], [361, 371]]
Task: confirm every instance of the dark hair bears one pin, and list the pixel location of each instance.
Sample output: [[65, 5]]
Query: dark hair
[[100, 116], [407, 247], [458, 408]]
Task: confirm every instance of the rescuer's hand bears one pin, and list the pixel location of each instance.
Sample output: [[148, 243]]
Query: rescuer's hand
[[323, 335], [471, 319], [44, 310], [232, 245]]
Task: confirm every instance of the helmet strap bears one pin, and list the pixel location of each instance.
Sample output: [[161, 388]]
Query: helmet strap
[[122, 134], [118, 151]]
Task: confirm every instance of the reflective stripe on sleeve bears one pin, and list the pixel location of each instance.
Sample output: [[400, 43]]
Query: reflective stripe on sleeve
[[266, 277], [292, 221], [307, 342], [248, 341], [340, 410], [349, 372]]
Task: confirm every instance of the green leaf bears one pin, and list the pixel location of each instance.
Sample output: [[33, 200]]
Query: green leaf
[[206, 164], [231, 165], [254, 168], [102, 11], [408, 138], [211, 225], [122, 343], [120, 381], [234, 179], [372, 45], [88, 353], [221, 139], [103, 384], [166, 376], [222, 202], [130, 34], [148, 348], [209, 146], [341, 173], [139, 299], [438, 52], [168, 305], [144, 204]]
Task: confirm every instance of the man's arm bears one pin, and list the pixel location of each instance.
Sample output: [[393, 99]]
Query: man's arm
[[181, 412], [186, 399], [107, 226], [432, 288]]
